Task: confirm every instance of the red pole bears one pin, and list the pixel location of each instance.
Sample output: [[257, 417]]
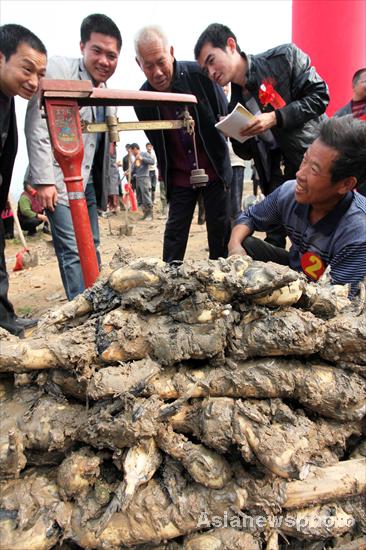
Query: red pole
[[333, 33], [65, 130]]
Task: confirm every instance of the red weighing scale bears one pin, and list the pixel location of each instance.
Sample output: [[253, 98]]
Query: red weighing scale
[[61, 100]]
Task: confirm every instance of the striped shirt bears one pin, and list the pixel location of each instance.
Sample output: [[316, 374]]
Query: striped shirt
[[338, 240]]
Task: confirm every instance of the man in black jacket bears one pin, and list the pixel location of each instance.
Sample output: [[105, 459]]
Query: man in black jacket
[[23, 60], [277, 133], [175, 150]]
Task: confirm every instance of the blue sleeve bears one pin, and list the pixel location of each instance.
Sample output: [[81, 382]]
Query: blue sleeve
[[349, 266], [263, 216]]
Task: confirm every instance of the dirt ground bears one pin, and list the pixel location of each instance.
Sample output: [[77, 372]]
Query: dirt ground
[[36, 290]]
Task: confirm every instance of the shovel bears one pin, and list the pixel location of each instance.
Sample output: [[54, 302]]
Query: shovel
[[24, 258], [126, 229]]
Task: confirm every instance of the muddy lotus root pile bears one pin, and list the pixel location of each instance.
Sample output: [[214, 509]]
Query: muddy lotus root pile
[[207, 405]]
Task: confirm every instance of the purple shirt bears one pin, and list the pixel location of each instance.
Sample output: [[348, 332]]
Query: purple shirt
[[180, 151]]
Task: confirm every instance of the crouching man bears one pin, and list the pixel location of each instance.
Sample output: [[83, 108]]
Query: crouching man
[[324, 218], [30, 211]]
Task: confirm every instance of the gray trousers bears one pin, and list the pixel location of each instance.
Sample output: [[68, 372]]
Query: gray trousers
[[163, 200], [143, 185]]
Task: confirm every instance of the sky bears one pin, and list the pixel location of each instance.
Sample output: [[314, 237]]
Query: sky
[[258, 25]]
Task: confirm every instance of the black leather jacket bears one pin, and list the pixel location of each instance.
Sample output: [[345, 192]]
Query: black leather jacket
[[212, 103], [304, 91]]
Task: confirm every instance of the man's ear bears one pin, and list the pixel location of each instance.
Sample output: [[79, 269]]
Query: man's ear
[[171, 51], [347, 184], [138, 62], [230, 42], [82, 47]]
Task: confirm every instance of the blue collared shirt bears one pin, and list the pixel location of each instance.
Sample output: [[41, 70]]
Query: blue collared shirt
[[339, 238]]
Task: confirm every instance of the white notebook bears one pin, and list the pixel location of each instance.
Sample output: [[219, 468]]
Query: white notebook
[[238, 119]]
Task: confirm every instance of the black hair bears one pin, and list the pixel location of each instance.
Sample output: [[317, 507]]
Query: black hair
[[356, 77], [135, 146], [97, 22], [217, 34], [12, 36], [26, 183], [347, 135]]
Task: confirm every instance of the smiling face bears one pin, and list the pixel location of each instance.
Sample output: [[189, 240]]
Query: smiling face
[[100, 54], [21, 73], [157, 62], [314, 185]]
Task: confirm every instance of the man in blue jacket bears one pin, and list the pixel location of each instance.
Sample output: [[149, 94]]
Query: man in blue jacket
[[325, 219], [175, 149], [140, 170], [278, 134]]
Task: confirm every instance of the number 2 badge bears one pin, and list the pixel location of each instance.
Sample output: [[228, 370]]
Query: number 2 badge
[[312, 265]]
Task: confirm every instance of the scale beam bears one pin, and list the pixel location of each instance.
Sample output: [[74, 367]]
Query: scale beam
[[83, 92]]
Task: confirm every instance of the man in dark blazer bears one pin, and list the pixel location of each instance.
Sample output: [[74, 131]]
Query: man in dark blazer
[[23, 60], [175, 148]]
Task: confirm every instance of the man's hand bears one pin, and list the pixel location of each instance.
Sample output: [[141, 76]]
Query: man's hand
[[236, 249], [42, 217], [47, 195], [260, 124], [112, 202], [238, 235]]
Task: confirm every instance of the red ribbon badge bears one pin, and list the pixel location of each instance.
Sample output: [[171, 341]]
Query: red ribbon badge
[[268, 95], [312, 265]]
